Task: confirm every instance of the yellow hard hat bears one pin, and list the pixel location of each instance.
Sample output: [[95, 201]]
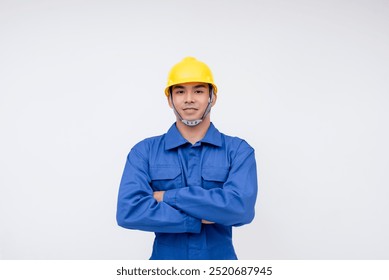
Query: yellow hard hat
[[189, 70]]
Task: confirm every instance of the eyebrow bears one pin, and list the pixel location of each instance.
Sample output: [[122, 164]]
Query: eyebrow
[[181, 87], [200, 86]]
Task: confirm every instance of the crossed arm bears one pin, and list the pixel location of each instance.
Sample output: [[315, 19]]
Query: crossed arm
[[185, 209], [231, 205], [158, 196]]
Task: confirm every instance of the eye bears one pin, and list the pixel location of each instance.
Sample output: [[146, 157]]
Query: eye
[[199, 91], [179, 92]]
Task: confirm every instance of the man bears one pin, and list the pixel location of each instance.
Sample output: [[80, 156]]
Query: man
[[192, 184]]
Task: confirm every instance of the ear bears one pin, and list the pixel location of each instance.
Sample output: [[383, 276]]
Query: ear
[[214, 99], [169, 101]]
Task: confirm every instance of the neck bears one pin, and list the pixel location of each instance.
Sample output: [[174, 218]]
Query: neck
[[194, 133]]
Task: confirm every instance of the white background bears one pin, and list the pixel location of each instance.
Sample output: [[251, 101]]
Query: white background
[[304, 82]]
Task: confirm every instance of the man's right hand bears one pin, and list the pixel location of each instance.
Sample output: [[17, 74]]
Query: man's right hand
[[206, 222]]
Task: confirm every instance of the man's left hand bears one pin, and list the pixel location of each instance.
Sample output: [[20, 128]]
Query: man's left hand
[[158, 196]]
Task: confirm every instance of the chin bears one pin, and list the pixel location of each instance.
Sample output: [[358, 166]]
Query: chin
[[191, 117]]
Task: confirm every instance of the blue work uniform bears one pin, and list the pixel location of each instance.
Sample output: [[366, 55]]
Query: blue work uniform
[[215, 179]]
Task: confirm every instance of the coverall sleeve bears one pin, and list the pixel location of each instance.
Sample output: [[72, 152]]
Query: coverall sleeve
[[231, 205], [137, 208]]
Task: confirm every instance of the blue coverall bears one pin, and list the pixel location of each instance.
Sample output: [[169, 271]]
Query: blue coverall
[[215, 179]]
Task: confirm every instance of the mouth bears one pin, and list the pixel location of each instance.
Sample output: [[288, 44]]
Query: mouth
[[189, 109]]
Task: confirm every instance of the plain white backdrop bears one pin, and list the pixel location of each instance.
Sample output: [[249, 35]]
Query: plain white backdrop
[[304, 82]]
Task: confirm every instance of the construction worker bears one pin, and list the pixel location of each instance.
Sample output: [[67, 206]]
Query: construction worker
[[192, 184]]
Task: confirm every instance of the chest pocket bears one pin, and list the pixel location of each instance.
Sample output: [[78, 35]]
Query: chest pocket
[[165, 178], [214, 177]]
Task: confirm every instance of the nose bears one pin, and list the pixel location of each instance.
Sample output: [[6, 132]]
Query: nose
[[189, 97]]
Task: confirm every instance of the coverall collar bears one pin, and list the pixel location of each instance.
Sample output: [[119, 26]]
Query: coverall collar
[[174, 138]]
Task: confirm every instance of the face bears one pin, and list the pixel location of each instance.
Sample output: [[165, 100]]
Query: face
[[191, 99]]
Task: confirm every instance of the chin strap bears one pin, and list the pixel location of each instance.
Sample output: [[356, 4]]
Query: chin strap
[[194, 122]]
